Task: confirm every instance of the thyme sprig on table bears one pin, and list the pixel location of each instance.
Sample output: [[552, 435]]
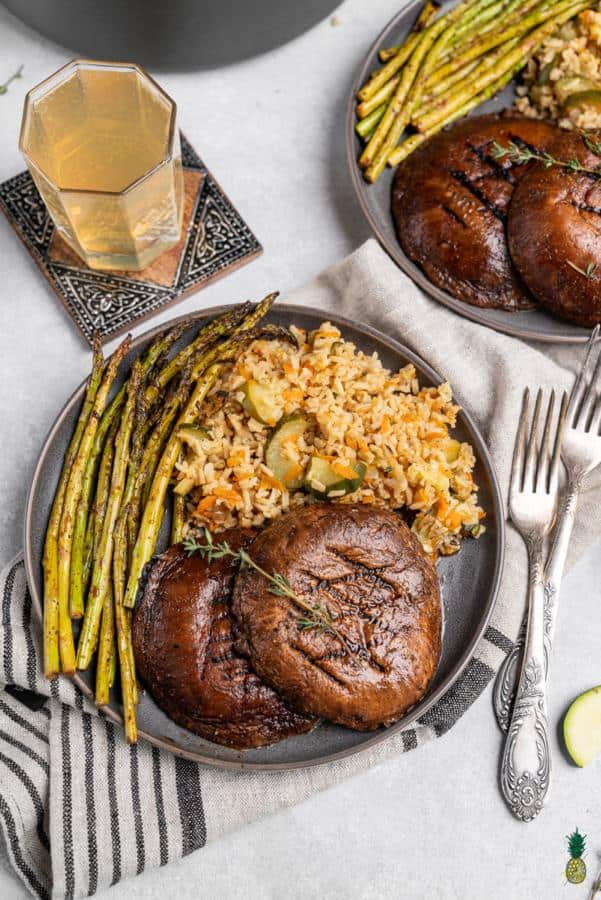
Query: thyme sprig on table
[[318, 616], [589, 272], [521, 155], [4, 87]]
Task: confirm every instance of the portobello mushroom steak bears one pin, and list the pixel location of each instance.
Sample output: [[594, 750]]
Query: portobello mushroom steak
[[554, 230], [365, 571], [183, 645], [449, 204]]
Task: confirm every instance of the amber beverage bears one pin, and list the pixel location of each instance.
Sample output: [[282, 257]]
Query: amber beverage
[[101, 143]]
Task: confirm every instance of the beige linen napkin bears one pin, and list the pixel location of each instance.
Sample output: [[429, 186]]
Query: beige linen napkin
[[488, 372], [79, 809]]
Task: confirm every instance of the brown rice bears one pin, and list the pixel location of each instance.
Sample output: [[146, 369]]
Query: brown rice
[[573, 51], [361, 411]]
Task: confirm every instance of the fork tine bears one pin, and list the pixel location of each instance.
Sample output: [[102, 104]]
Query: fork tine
[[556, 458], [515, 482], [544, 459], [596, 419], [579, 384], [590, 396], [529, 467]]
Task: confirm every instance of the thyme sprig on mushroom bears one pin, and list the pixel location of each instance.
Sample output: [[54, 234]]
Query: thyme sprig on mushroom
[[317, 616], [593, 145], [589, 272], [521, 155]]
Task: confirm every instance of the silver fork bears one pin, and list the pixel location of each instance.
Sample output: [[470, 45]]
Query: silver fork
[[581, 452], [533, 491]]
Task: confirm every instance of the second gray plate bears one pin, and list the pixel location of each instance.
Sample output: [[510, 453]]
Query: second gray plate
[[469, 580], [535, 324]]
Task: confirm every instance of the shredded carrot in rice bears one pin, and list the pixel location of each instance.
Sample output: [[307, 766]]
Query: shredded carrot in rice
[[293, 472], [270, 481], [442, 507], [292, 395], [356, 411], [207, 503], [236, 458], [228, 494], [453, 519], [343, 470]]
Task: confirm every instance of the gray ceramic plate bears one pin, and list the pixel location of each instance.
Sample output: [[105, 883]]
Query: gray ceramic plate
[[375, 202], [469, 580]]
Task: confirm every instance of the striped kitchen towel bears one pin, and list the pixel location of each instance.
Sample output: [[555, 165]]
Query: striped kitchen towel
[[80, 809]]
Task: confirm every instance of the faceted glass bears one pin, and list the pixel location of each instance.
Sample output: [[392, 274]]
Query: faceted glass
[[101, 143]]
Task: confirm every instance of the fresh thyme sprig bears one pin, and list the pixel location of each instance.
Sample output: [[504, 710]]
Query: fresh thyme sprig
[[521, 155], [317, 616], [4, 87], [589, 272], [593, 145]]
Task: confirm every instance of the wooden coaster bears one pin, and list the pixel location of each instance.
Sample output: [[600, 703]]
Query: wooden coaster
[[215, 240]]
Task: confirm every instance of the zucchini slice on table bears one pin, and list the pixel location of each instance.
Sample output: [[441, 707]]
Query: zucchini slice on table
[[323, 480], [285, 469]]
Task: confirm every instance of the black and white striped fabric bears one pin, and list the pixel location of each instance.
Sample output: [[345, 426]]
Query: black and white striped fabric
[[79, 809]]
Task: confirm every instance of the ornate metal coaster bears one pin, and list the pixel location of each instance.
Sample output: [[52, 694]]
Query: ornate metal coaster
[[215, 240]]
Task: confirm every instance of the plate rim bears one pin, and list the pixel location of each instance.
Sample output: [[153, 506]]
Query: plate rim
[[482, 454], [407, 266]]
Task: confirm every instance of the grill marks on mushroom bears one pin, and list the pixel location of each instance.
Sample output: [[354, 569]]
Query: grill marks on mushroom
[[367, 568], [183, 635], [450, 203], [555, 234]]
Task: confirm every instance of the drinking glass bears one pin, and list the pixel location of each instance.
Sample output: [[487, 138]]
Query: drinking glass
[[101, 143]]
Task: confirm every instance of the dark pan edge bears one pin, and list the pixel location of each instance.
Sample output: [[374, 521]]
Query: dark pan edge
[[393, 249], [481, 453]]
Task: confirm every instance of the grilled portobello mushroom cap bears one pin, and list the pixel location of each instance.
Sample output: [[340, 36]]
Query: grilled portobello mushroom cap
[[555, 233], [367, 570], [185, 656], [450, 200]]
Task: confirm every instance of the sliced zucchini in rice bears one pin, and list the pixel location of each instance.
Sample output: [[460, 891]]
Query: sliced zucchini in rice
[[545, 73], [452, 450], [194, 435], [323, 480], [585, 101], [573, 84], [260, 402], [473, 530], [285, 469], [183, 487]]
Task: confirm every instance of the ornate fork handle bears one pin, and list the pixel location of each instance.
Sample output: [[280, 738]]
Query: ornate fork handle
[[506, 681], [526, 763]]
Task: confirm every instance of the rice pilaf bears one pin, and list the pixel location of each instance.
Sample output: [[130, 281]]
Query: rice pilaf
[[359, 412], [562, 80]]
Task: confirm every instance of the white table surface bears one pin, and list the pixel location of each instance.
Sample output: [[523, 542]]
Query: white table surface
[[430, 824]]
